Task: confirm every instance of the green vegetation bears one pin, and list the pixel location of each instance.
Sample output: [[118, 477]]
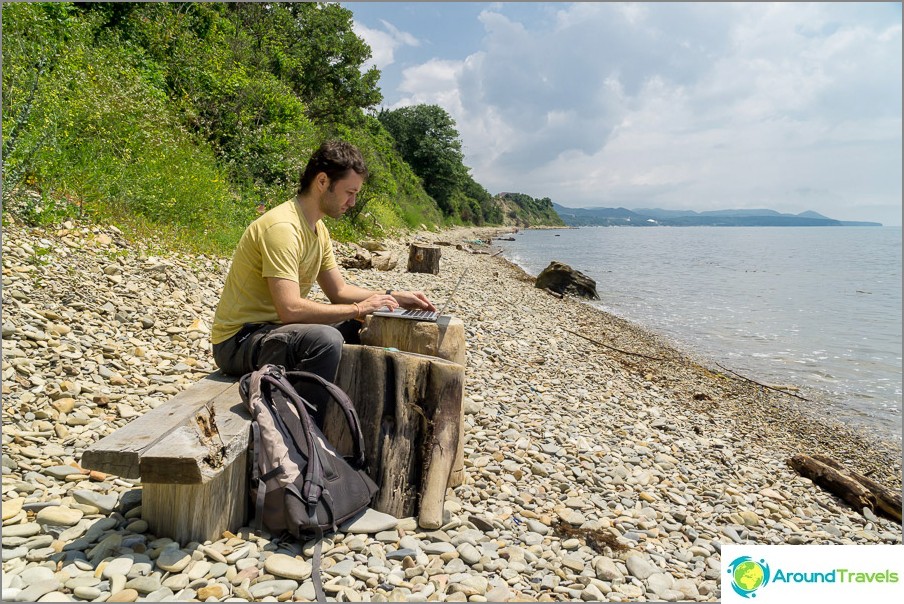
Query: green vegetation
[[523, 210], [184, 120]]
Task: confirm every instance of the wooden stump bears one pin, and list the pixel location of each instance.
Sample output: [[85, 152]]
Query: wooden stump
[[409, 406], [444, 339], [424, 259]]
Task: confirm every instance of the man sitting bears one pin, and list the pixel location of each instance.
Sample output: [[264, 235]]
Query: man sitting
[[264, 315]]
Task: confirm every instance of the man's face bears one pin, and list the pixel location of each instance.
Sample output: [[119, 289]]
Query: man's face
[[341, 194]]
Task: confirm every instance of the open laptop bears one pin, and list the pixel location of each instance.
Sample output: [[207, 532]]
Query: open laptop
[[421, 315]]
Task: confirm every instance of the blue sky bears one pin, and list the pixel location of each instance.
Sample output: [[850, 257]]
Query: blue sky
[[786, 106]]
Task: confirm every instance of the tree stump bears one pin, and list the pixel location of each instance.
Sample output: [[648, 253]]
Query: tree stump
[[444, 339], [409, 406], [424, 259]]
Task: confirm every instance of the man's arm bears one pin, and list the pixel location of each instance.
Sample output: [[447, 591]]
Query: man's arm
[[339, 292], [292, 308]]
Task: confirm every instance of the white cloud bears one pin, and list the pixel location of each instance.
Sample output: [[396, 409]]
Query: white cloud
[[383, 43], [682, 105]]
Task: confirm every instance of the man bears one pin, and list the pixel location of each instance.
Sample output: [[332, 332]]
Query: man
[[264, 315]]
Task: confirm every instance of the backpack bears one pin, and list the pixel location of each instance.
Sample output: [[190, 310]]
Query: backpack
[[299, 482]]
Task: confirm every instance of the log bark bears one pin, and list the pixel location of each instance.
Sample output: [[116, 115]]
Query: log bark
[[444, 339], [409, 406], [887, 501], [424, 259], [834, 481]]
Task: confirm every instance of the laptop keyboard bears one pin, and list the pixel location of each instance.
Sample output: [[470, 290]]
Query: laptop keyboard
[[419, 314]]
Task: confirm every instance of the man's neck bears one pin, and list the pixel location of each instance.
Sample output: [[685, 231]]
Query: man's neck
[[309, 209]]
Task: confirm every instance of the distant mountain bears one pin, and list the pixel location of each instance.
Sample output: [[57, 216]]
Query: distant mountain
[[660, 217]]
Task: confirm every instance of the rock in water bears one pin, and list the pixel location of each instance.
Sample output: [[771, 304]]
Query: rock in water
[[563, 279]]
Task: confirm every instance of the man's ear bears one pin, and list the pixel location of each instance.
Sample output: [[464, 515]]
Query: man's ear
[[322, 180]]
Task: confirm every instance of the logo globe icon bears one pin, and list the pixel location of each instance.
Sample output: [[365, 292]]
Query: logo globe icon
[[748, 575]]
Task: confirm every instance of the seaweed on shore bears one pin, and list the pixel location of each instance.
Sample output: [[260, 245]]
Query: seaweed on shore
[[596, 539]]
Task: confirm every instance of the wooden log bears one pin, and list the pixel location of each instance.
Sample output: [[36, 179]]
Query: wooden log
[[198, 512], [120, 452], [409, 406], [444, 339], [887, 501], [834, 481], [424, 259]]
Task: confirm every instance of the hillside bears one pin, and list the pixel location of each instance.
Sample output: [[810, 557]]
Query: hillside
[[660, 217], [518, 209], [184, 120]]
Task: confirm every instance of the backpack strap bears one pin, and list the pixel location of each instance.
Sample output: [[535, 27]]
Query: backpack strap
[[303, 435], [257, 480], [351, 416]]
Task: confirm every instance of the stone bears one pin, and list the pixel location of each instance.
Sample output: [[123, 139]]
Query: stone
[[12, 507], [287, 567], [144, 585], [217, 591], [269, 588], [118, 566], [371, 521], [606, 570], [640, 567], [173, 560], [125, 595], [105, 503], [563, 279], [59, 515]]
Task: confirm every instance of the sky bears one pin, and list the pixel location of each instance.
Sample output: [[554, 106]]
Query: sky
[[699, 106]]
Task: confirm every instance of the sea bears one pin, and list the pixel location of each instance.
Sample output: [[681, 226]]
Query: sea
[[817, 308]]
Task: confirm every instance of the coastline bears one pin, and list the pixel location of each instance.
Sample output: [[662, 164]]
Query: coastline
[[666, 457]]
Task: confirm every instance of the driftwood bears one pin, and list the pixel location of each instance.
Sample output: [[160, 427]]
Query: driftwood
[[768, 387], [887, 501], [598, 343], [424, 259], [847, 485], [409, 406]]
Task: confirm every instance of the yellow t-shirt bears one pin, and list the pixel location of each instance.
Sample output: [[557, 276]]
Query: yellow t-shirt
[[278, 244]]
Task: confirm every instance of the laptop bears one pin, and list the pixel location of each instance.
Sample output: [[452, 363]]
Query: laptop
[[420, 315]]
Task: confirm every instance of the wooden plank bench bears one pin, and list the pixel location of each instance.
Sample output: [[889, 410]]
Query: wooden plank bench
[[191, 452]]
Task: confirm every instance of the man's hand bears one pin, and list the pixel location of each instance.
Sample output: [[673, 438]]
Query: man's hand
[[376, 302], [415, 300]]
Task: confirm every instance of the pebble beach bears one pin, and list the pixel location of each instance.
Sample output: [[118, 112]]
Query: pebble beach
[[601, 463]]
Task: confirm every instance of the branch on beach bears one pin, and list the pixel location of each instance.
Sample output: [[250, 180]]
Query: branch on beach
[[854, 488], [598, 343], [743, 377]]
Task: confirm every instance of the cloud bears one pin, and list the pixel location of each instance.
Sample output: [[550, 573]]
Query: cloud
[[684, 105], [383, 43]]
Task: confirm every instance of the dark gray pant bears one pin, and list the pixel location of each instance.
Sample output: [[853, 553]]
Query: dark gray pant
[[297, 347]]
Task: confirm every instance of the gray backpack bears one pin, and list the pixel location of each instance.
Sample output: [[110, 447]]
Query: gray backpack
[[299, 482]]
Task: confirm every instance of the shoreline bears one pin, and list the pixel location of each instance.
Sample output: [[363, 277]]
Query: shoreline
[[868, 430], [690, 358], [664, 457]]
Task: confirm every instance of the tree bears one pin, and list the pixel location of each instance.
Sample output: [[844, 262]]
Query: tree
[[313, 49], [427, 139]]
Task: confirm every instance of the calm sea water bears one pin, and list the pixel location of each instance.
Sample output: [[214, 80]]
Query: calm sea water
[[818, 308]]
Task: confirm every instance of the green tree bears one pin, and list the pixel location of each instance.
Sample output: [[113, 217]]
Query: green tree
[[313, 49], [427, 139]]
